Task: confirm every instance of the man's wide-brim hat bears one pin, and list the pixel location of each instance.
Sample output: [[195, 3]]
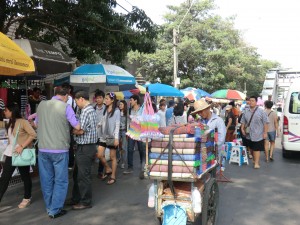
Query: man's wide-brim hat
[[200, 105]]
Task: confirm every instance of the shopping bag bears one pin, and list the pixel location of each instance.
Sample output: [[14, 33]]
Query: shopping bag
[[26, 158], [135, 129], [149, 120]]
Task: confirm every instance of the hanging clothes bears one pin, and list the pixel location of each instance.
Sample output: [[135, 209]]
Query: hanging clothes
[[3, 95]]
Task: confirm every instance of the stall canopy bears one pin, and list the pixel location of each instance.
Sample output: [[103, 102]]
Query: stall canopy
[[101, 73], [47, 59], [13, 60]]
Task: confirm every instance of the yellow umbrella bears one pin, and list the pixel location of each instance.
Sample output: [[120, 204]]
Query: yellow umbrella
[[119, 95], [142, 89], [13, 60]]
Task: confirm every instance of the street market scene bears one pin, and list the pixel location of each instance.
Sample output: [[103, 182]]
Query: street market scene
[[126, 112]]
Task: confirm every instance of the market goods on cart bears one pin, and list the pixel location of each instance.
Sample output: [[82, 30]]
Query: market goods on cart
[[182, 165]]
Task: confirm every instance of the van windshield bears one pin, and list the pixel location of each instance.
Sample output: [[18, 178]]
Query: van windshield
[[295, 103]]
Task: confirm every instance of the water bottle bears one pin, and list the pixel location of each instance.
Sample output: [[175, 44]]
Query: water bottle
[[151, 197], [196, 200], [223, 164]]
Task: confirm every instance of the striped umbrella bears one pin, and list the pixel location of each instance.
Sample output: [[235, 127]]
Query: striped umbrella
[[194, 93], [229, 94]]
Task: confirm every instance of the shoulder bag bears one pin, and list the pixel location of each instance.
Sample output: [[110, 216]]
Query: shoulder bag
[[247, 127], [109, 140], [26, 158]]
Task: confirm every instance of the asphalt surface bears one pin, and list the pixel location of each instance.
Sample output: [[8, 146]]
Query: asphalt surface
[[269, 195]]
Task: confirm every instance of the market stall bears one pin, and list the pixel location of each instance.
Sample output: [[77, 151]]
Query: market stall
[[182, 164], [109, 78]]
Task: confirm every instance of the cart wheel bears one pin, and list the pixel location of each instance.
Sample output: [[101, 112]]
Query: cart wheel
[[214, 172], [210, 203]]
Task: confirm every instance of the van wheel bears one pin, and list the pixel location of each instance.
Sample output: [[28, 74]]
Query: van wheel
[[285, 153]]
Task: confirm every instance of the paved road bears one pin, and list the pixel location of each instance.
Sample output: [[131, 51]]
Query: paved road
[[269, 195], [266, 196]]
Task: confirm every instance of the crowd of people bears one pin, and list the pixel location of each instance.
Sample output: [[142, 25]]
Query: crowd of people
[[72, 132]]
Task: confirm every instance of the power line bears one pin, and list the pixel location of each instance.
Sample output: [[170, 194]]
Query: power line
[[122, 7], [128, 3], [185, 15]]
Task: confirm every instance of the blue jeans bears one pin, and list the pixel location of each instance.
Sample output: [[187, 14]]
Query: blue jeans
[[141, 149], [123, 148], [53, 169]]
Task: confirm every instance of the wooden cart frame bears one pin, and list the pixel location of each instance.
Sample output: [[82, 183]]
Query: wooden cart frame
[[209, 193]]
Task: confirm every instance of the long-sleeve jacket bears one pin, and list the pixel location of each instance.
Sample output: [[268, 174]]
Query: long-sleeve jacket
[[25, 131], [113, 126]]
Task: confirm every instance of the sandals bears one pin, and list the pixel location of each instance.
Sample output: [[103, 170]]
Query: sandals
[[256, 166], [271, 159], [24, 203], [111, 181], [106, 175]]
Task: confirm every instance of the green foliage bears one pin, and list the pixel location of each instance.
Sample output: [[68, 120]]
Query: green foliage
[[86, 29], [211, 52]]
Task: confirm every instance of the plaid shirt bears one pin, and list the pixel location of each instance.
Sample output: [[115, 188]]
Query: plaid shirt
[[88, 123]]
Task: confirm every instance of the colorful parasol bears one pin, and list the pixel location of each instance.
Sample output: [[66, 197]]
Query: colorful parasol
[[128, 93], [229, 94], [101, 73], [194, 93], [13, 60]]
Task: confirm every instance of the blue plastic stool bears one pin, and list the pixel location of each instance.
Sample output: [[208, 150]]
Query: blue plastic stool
[[174, 215]]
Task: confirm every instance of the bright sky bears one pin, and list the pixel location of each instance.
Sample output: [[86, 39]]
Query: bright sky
[[272, 26]]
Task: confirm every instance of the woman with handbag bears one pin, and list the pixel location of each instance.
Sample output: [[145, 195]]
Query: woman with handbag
[[20, 135], [109, 136]]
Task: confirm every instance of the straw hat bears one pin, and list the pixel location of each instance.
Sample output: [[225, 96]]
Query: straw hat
[[200, 105]]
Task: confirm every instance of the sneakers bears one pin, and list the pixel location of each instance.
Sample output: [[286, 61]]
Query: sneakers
[[123, 166], [128, 171], [61, 213], [24, 203]]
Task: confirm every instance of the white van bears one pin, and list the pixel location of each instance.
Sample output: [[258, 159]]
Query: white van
[[291, 120]]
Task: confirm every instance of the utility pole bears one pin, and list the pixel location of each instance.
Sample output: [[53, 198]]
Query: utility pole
[[245, 88], [175, 57]]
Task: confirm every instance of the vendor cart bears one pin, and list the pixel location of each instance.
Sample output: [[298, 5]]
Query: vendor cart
[[173, 192]]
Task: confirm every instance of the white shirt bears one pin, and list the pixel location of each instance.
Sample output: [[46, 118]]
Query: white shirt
[[72, 103], [162, 116], [217, 122], [9, 149]]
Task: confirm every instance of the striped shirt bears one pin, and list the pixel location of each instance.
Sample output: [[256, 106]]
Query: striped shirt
[[2, 105], [258, 121], [88, 123]]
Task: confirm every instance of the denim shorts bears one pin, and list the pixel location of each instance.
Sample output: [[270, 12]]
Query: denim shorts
[[271, 136]]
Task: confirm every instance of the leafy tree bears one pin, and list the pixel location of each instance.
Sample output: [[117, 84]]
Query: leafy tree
[[86, 29], [211, 52]]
